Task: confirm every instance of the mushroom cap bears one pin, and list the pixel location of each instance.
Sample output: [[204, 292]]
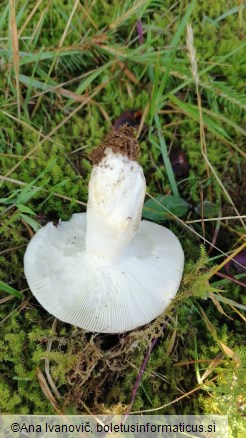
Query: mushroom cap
[[109, 298]]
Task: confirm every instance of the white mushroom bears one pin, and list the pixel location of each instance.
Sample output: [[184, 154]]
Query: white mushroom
[[106, 270]]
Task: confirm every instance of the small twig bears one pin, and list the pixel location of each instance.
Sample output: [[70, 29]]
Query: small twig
[[140, 31], [202, 215], [14, 248], [143, 366], [229, 277]]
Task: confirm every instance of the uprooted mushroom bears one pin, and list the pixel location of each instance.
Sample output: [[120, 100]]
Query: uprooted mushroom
[[106, 270]]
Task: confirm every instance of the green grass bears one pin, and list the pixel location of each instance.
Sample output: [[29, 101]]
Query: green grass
[[68, 69]]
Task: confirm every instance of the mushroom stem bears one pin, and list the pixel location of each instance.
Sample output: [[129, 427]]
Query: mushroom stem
[[116, 195]]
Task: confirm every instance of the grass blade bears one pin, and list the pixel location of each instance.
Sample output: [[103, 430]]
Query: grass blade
[[10, 290], [165, 157]]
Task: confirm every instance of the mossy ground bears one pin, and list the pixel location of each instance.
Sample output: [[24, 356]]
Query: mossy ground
[[70, 84]]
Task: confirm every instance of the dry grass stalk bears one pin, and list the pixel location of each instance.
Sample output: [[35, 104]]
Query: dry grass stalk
[[230, 257], [58, 195], [15, 49], [194, 70], [68, 24], [46, 390], [176, 400], [47, 364], [29, 18], [192, 53]]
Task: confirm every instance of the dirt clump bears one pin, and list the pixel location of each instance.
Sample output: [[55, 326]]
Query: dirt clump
[[122, 141]]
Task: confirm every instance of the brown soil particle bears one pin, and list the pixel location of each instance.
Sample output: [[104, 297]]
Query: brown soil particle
[[122, 141]]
